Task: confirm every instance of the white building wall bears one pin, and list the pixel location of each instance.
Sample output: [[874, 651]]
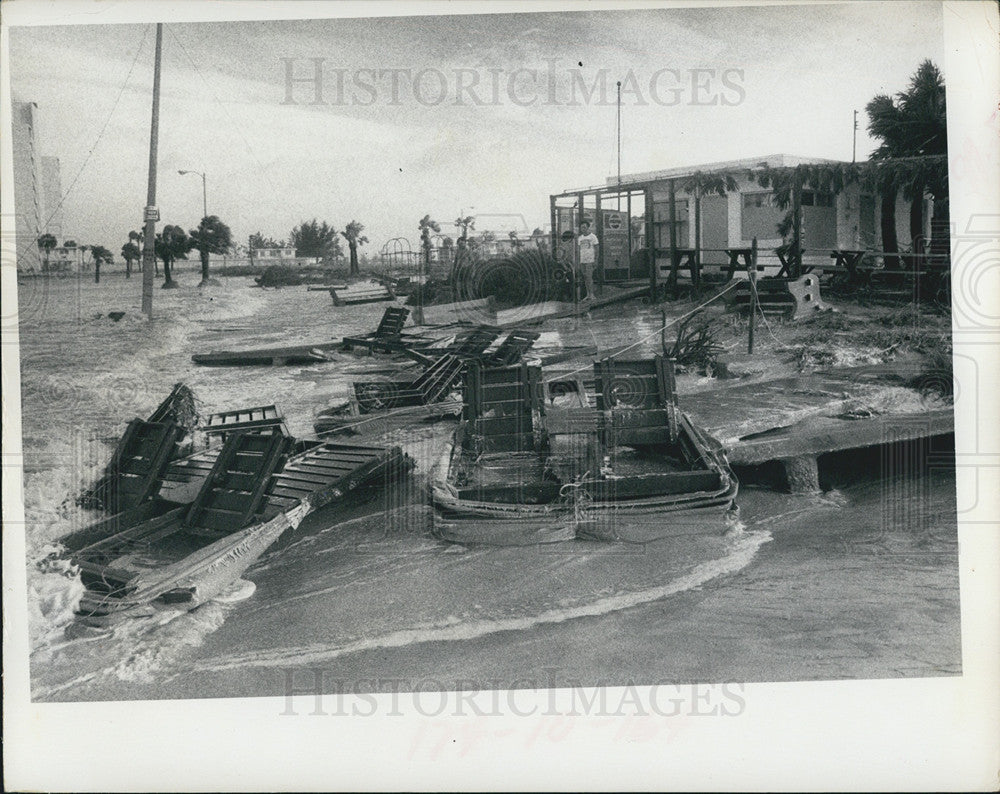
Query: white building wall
[[52, 197], [28, 199]]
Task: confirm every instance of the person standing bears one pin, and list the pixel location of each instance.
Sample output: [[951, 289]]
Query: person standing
[[587, 247]]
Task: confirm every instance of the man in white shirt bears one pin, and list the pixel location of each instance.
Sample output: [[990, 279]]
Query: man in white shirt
[[587, 246]]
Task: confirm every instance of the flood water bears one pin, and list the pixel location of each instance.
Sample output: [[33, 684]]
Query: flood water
[[809, 587]]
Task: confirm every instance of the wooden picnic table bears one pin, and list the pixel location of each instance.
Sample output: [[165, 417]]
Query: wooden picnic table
[[685, 259], [850, 260], [735, 255]]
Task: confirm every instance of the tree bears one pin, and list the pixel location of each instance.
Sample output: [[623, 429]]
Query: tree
[[100, 255], [46, 243], [130, 253], [258, 240], [315, 239], [426, 226], [911, 124], [465, 224], [211, 237], [170, 245], [352, 233], [136, 238]]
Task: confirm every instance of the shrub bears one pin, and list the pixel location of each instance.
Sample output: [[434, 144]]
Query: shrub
[[279, 276]]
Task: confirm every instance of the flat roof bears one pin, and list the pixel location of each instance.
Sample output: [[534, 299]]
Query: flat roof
[[746, 163]]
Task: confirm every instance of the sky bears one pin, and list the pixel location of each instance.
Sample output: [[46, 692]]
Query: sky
[[486, 114]]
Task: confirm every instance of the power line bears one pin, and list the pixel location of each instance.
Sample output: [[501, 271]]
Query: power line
[[100, 134], [215, 98]]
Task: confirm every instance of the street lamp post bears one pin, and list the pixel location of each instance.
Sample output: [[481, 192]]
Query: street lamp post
[[204, 191]]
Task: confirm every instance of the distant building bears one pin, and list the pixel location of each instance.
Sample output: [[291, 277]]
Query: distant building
[[28, 192], [274, 256], [37, 188]]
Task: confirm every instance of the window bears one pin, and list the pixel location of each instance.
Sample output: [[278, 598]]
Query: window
[[760, 216], [758, 200], [661, 223], [811, 198]]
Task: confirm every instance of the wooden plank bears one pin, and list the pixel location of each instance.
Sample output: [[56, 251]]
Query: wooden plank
[[290, 493], [298, 476]]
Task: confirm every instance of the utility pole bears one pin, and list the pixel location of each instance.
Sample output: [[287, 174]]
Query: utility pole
[[150, 213], [619, 122], [854, 146]]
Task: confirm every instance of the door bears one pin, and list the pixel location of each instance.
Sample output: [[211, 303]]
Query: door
[[714, 229]]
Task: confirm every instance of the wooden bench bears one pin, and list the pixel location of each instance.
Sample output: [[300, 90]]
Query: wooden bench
[[370, 292], [260, 418], [388, 337]]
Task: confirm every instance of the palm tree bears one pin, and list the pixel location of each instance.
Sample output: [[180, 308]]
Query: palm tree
[[171, 244], [912, 124], [427, 225], [465, 224], [352, 233], [130, 253], [100, 255], [46, 243], [211, 237]]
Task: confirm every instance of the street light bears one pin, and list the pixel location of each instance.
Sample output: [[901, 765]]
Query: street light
[[204, 191]]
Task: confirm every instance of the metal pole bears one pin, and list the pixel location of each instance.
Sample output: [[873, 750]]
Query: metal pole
[[204, 197], [854, 145], [619, 121], [149, 231], [752, 275]]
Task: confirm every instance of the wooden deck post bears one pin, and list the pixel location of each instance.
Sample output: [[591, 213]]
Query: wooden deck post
[[795, 262], [650, 244], [674, 270]]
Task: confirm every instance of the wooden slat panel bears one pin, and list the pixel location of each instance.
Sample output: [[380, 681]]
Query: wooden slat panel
[[304, 477]]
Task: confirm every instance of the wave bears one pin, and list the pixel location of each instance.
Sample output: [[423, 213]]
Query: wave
[[742, 550]]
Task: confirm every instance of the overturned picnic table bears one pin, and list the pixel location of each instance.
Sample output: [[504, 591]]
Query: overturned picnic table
[[388, 337], [362, 292]]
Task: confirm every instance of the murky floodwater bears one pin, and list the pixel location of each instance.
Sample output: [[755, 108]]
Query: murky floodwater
[[811, 587]]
